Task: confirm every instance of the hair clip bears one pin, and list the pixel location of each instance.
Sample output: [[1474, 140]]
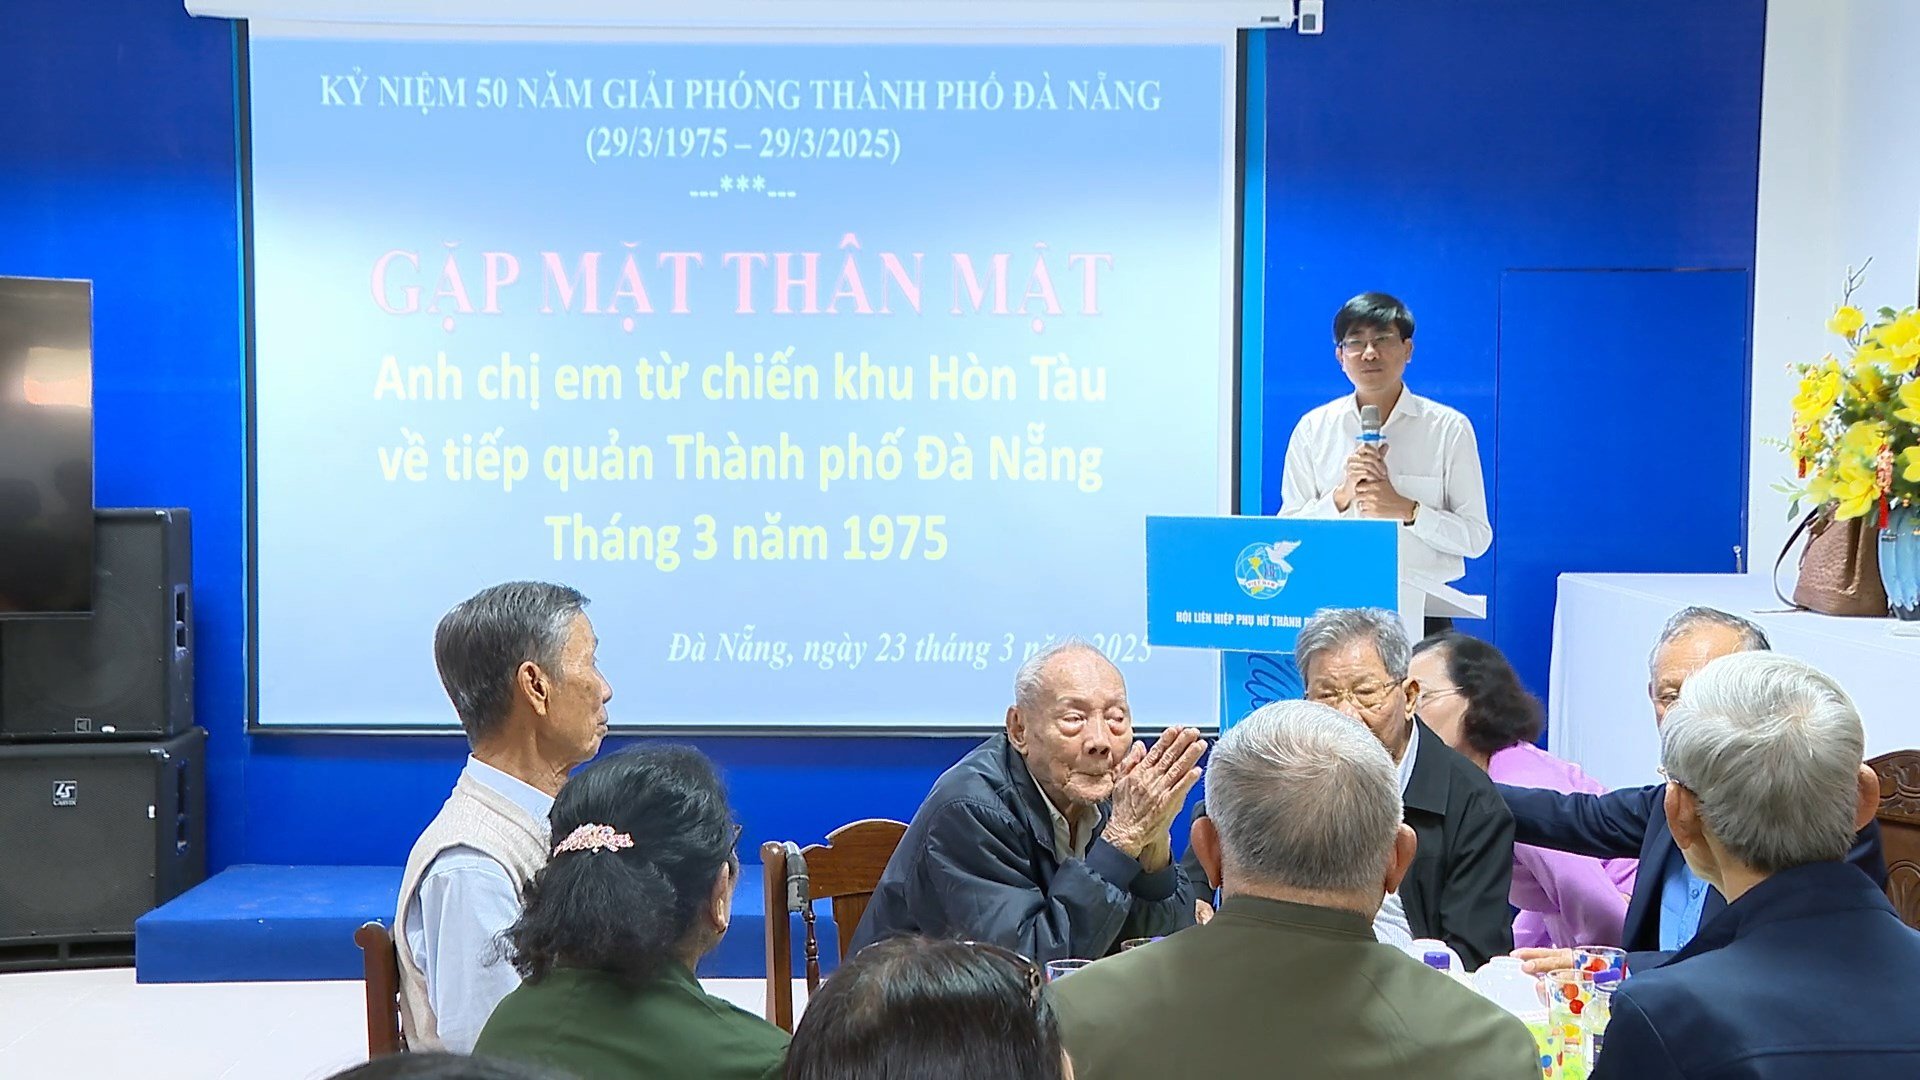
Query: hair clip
[[594, 838]]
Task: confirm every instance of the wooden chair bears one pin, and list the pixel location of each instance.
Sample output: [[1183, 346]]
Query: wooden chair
[[382, 979], [1899, 816], [846, 869]]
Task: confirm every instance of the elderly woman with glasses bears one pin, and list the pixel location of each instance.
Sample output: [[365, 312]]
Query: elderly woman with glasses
[[1472, 698], [911, 1008], [639, 889]]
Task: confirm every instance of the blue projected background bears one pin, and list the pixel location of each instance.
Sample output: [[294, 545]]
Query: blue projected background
[[498, 285]]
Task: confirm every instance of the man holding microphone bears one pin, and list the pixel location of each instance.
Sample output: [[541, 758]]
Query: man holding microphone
[[1386, 452]]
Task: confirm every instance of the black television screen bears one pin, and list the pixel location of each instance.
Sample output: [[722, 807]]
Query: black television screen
[[46, 447]]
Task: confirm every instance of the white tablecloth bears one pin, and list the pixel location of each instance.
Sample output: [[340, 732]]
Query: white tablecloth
[[1604, 626]]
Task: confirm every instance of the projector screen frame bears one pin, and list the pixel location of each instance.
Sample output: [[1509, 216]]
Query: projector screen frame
[[734, 15], [1241, 385]]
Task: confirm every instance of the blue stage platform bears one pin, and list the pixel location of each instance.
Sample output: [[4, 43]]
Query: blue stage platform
[[296, 923]]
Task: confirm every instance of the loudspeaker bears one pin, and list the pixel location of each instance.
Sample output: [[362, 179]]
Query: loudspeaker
[[93, 836], [127, 670]]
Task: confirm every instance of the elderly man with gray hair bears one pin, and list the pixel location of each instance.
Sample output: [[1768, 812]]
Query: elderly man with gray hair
[[1808, 972], [1356, 660], [518, 661], [1053, 839], [1670, 902], [1306, 839]]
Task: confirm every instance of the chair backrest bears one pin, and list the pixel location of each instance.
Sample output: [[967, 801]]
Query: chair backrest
[[846, 870], [382, 978], [1899, 817]]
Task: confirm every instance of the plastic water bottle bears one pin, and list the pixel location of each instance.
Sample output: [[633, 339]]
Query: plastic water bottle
[[1505, 982], [1443, 961]]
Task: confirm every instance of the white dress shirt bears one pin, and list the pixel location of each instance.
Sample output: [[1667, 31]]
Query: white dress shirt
[[1390, 924], [454, 922], [1432, 458]]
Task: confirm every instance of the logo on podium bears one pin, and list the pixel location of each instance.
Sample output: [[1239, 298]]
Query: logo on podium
[[1262, 569]]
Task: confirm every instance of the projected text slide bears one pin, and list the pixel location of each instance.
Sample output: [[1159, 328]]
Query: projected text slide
[[840, 377]]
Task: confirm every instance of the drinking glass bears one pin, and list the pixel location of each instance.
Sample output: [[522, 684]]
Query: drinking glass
[[1595, 959], [1569, 997], [1060, 969]]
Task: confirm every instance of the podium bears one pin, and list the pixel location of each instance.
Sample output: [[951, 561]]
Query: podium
[[1244, 586], [1421, 597]]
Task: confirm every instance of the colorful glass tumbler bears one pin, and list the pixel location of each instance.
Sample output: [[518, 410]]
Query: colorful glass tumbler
[[1569, 995]]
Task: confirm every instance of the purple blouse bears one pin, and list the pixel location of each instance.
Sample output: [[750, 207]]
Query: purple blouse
[[1564, 899]]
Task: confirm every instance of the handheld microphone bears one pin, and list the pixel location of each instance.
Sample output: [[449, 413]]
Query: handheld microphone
[[1370, 425]]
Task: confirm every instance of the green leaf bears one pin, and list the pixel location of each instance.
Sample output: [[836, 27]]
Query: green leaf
[[1889, 313], [1793, 510]]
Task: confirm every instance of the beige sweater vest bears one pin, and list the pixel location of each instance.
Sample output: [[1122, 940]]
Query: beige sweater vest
[[481, 818]]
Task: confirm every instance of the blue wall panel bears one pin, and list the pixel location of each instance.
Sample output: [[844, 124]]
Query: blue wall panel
[[1621, 446], [1417, 147], [118, 163], [1424, 149]]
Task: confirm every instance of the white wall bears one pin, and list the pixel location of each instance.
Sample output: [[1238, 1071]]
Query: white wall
[[1839, 183]]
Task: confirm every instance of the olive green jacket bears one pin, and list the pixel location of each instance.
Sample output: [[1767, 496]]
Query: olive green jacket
[[584, 1026], [1276, 990]]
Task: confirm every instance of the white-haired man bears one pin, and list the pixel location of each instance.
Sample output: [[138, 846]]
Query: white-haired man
[[1670, 902], [1807, 971], [1055, 838], [1306, 837]]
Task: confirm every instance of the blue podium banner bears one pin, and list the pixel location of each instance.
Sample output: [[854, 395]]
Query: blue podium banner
[[1246, 584]]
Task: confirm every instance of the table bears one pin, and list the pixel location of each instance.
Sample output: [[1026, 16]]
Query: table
[[1605, 625]]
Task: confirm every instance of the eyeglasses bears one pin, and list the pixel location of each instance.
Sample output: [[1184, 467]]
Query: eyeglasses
[[1366, 698], [1445, 691], [1359, 346], [1027, 969]]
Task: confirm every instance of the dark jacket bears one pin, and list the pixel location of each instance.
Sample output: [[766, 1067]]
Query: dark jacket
[[978, 862], [1632, 823], [1810, 975], [1275, 990], [1457, 889]]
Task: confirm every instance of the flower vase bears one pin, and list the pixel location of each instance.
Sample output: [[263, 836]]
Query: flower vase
[[1900, 562]]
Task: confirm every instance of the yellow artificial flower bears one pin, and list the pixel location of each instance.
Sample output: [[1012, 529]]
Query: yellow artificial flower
[[1909, 398], [1910, 457], [1856, 488], [1897, 343], [1847, 321], [1905, 358], [1870, 354], [1864, 439], [1901, 330], [1819, 488], [1818, 391], [1868, 383]]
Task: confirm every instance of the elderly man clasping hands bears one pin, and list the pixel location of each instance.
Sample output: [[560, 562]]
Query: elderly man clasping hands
[[1053, 839]]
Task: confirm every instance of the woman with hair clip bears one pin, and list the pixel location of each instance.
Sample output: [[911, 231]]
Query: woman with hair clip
[[913, 1009], [639, 889], [1472, 698]]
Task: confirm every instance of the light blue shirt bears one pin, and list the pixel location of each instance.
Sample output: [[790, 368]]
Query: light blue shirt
[[464, 903], [1390, 924], [1682, 897]]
